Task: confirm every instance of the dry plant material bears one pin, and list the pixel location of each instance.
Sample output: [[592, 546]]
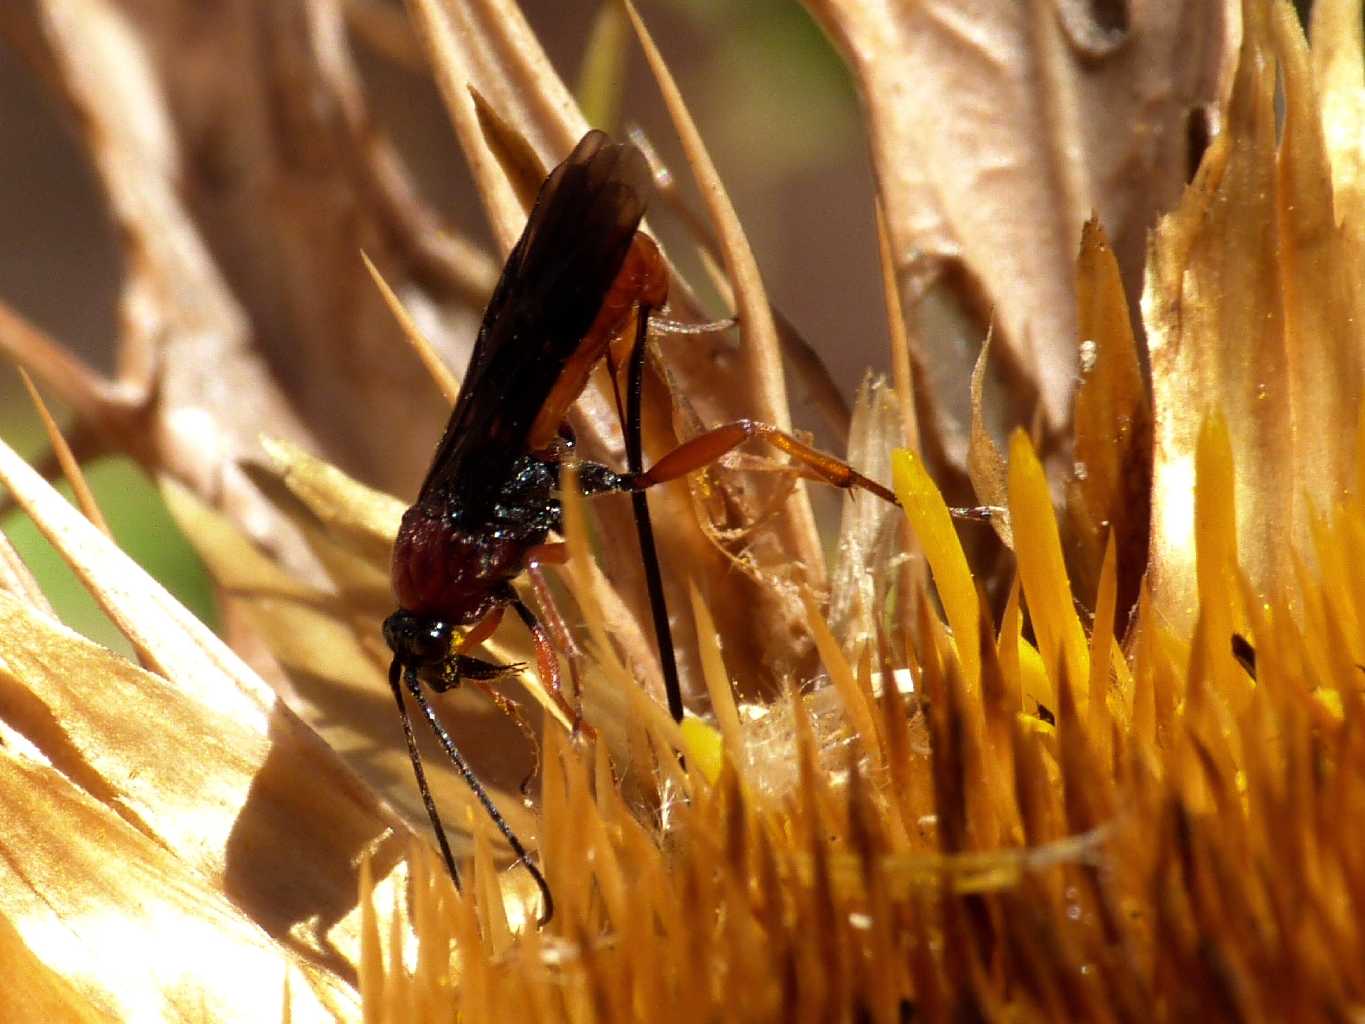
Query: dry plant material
[[1054, 830], [202, 809], [1077, 866], [1120, 795], [996, 130], [237, 161], [1251, 312]]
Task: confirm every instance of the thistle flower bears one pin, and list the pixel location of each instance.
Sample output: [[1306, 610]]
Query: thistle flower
[[1093, 763]]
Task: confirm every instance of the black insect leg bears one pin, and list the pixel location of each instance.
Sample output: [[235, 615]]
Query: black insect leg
[[460, 667], [644, 528], [472, 781], [595, 478], [396, 674]]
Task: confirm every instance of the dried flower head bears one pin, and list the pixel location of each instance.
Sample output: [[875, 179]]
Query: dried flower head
[[1096, 760]]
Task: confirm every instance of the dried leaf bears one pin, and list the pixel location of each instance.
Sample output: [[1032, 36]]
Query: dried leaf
[[994, 134], [235, 305], [521, 166], [1337, 70], [81, 888], [431, 362], [30, 990], [172, 639], [217, 769], [367, 519], [16, 579], [860, 576], [1323, 303], [70, 467], [490, 48], [1217, 567]]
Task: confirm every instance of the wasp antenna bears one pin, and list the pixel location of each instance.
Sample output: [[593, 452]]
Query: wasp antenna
[[396, 674], [472, 781]]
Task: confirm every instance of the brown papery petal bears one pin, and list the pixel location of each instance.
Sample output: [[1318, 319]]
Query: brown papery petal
[[1248, 308], [1336, 35], [140, 933], [204, 760], [995, 130]]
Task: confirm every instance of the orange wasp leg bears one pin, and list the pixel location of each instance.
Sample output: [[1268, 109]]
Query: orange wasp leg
[[486, 627], [536, 559], [706, 448], [547, 664]]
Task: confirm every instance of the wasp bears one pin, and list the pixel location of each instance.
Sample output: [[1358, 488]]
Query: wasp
[[579, 286]]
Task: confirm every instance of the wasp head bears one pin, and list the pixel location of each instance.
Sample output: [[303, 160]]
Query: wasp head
[[419, 641]]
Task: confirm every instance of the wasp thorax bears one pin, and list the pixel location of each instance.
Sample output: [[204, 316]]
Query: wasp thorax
[[446, 573]]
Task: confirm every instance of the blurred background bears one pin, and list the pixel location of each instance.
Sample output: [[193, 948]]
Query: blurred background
[[771, 98]]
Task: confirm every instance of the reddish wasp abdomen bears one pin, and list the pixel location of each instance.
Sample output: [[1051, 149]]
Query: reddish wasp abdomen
[[642, 280], [445, 573]]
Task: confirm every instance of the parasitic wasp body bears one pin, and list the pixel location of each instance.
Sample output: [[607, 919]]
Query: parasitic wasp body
[[579, 285]]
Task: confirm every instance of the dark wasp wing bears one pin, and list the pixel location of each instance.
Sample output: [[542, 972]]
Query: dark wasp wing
[[547, 298]]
